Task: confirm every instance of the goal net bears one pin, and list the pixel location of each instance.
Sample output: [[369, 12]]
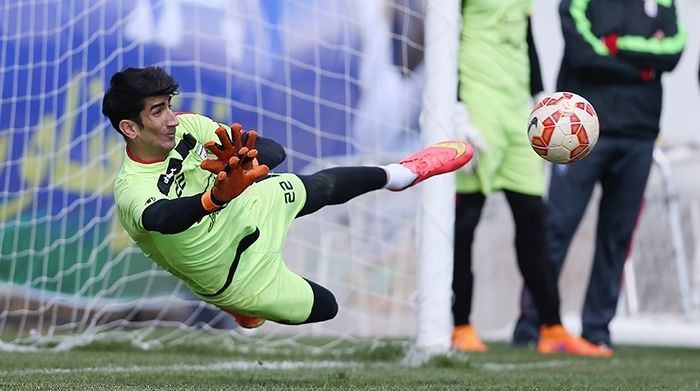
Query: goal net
[[335, 82], [662, 274]]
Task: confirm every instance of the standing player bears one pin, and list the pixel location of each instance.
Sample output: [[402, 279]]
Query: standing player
[[220, 224], [615, 53], [498, 73]]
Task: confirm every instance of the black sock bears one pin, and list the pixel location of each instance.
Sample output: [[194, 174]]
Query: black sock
[[338, 185]]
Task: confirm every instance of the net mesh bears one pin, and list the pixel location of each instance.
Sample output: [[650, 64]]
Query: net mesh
[[663, 266], [335, 82]]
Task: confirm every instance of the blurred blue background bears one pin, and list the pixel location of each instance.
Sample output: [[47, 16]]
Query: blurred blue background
[[290, 69]]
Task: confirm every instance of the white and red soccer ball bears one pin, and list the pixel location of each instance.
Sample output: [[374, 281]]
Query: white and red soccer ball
[[563, 127]]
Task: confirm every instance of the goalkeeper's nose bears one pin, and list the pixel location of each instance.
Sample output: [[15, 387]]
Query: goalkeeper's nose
[[172, 119]]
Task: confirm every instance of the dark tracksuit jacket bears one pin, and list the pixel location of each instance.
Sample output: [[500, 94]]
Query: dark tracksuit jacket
[[624, 88]]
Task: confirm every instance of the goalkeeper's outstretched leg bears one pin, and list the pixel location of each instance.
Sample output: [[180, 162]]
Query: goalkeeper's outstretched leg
[[288, 298], [338, 185]]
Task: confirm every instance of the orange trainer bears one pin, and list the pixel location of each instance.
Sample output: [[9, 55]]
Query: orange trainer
[[465, 339], [555, 339]]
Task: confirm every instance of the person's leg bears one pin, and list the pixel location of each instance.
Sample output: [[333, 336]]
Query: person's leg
[[570, 189], [324, 307], [623, 184], [540, 277], [532, 255], [280, 294], [467, 214], [338, 185], [520, 171]]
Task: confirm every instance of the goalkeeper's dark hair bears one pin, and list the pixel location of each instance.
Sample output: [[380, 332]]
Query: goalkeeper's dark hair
[[128, 90]]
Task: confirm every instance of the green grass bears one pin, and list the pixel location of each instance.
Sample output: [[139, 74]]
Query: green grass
[[357, 366]]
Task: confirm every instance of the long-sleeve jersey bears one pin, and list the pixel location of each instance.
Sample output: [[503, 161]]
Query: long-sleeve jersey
[[498, 73], [158, 204], [494, 59], [621, 79]]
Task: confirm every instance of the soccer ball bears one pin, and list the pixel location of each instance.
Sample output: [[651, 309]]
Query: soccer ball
[[563, 127]]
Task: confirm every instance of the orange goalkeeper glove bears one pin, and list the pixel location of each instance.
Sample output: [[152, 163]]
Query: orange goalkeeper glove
[[230, 148], [230, 182]]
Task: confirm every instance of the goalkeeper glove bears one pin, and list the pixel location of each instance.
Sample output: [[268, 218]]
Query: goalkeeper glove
[[230, 148], [230, 182]]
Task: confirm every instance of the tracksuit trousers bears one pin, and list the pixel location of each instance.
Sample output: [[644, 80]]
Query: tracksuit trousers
[[621, 166]]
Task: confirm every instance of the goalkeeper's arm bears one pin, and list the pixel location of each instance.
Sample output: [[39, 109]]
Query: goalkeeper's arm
[[175, 216]]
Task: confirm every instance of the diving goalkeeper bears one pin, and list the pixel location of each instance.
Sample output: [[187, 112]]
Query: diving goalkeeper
[[198, 199]]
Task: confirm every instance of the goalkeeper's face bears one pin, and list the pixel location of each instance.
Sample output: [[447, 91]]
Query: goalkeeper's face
[[157, 135]]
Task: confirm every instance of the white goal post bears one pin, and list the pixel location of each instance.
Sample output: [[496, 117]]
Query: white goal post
[[437, 200]]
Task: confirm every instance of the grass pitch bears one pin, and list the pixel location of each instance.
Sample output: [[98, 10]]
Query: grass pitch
[[356, 366]]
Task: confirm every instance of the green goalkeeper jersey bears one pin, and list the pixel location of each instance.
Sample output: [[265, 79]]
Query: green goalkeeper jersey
[[494, 76], [494, 63], [192, 255]]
